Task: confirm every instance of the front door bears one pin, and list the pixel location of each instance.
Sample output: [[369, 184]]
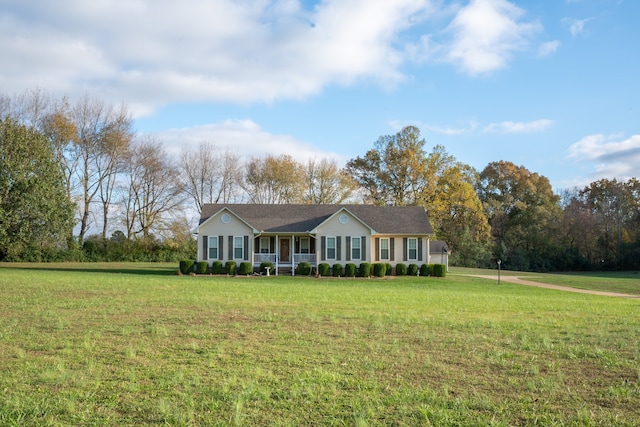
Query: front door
[[284, 250]]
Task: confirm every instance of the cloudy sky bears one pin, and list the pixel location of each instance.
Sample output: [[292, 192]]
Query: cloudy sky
[[550, 85]]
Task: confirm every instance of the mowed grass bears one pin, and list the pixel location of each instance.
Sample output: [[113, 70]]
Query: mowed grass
[[133, 344]]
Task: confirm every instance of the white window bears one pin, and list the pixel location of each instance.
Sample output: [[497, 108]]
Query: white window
[[384, 249], [304, 245], [412, 248], [213, 247], [238, 247], [265, 243], [355, 248], [331, 248]]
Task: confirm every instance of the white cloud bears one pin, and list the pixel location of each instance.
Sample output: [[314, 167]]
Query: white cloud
[[614, 156], [486, 33], [152, 52], [548, 48], [576, 26], [519, 127], [243, 137]]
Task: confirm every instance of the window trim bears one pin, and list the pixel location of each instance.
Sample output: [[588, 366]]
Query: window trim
[[235, 247], [359, 248], [388, 248], [409, 240], [210, 247], [334, 248]]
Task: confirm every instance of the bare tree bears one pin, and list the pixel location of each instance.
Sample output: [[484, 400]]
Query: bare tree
[[153, 191], [326, 183], [208, 176]]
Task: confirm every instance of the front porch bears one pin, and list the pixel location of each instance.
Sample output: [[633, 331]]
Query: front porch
[[284, 252]]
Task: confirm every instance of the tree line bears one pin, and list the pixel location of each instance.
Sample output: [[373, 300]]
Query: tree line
[[77, 182]]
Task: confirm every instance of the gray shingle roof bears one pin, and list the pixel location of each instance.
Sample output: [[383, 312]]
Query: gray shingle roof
[[304, 218]]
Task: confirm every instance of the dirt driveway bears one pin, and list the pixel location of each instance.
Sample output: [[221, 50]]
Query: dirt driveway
[[513, 279]]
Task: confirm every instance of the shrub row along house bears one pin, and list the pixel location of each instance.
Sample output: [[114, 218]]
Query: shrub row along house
[[286, 235]]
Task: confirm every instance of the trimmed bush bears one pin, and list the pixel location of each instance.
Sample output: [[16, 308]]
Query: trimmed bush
[[379, 269], [186, 266], [389, 269], [350, 270], [230, 267], [217, 267], [365, 269], [401, 269], [439, 270], [202, 267], [424, 270], [337, 270], [412, 270], [324, 269], [245, 268], [264, 265], [304, 269]]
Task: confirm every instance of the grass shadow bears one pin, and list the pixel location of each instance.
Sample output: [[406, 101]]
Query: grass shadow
[[143, 269]]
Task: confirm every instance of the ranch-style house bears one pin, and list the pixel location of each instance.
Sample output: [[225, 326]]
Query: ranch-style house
[[286, 235]]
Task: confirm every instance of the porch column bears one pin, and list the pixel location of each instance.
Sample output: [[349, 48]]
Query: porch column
[[277, 254], [293, 251]]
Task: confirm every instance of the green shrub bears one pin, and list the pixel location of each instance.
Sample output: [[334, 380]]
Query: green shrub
[[412, 270], [186, 266], [324, 269], [424, 270], [389, 269], [350, 270], [401, 269], [202, 267], [264, 265], [230, 267], [379, 269], [304, 268], [217, 267], [245, 268], [337, 270], [365, 269], [439, 270]]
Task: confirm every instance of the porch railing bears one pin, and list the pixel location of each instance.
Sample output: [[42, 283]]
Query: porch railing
[[297, 258]]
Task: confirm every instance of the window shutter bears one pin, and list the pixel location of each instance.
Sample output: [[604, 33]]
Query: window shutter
[[404, 248], [205, 247], [230, 247], [363, 246], [323, 248], [272, 245], [348, 257], [377, 249], [220, 247], [246, 248], [392, 248], [338, 247], [419, 248]]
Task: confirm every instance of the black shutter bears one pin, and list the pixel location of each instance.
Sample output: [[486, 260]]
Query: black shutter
[[363, 248], [404, 248], [205, 247], [323, 248], [392, 248], [246, 248], [220, 246], [272, 245], [338, 248], [377, 249], [230, 247], [348, 257], [419, 248]]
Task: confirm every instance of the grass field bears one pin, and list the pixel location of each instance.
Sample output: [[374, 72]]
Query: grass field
[[133, 344]]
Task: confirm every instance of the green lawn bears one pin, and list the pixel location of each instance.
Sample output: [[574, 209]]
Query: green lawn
[[133, 344]]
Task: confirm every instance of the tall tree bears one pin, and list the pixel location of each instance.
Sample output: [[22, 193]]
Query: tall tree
[[153, 192], [209, 175], [326, 183], [34, 209], [523, 212], [274, 179]]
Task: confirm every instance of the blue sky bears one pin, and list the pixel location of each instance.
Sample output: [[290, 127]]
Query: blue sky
[[551, 85]]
